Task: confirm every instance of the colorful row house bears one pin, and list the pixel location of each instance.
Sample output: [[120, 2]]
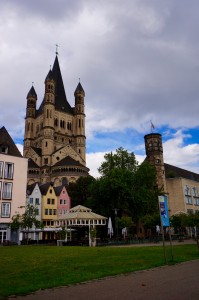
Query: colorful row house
[[51, 204]]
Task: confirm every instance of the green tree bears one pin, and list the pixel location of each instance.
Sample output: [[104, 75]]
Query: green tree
[[79, 191], [122, 159], [26, 220]]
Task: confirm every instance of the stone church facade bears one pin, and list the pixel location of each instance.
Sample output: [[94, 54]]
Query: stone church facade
[[54, 139]]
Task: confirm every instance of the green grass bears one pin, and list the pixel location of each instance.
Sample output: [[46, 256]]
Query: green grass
[[25, 269]]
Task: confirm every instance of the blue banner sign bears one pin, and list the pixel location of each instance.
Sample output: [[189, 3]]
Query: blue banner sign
[[164, 211]]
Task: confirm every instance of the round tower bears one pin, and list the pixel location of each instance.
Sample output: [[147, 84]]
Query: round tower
[[30, 117], [80, 121], [154, 155]]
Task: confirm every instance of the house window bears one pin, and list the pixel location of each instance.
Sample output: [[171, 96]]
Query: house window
[[194, 191], [8, 172], [53, 201], [5, 210], [196, 201], [0, 188], [188, 199], [64, 201], [50, 212], [187, 190], [190, 211], [1, 169], [45, 161], [36, 211], [30, 200], [48, 201], [51, 191], [46, 211], [7, 190], [37, 201], [48, 223], [54, 212], [61, 201], [60, 211]]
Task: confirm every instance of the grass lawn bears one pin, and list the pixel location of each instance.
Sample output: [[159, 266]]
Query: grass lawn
[[24, 269]]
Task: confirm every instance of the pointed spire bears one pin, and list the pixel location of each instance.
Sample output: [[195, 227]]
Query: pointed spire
[[32, 93], [79, 89], [61, 102], [49, 75]]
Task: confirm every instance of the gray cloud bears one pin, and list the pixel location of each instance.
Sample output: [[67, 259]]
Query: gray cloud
[[137, 60]]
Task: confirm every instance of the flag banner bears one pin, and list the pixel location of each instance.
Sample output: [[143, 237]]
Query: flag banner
[[164, 214]]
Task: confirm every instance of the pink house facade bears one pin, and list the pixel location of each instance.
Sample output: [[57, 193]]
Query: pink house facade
[[13, 180]]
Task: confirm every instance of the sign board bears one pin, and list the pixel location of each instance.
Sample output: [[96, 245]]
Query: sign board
[[164, 210]]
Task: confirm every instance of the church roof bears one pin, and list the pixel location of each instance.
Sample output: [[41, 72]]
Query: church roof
[[79, 88], [32, 164], [61, 102], [7, 145], [37, 150], [175, 172], [68, 161], [32, 93]]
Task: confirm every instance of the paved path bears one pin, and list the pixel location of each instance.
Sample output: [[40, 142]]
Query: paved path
[[178, 282]]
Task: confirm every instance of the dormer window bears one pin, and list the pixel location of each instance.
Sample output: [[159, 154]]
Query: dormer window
[[4, 149]]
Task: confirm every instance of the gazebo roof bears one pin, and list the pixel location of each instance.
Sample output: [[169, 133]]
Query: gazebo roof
[[80, 212]]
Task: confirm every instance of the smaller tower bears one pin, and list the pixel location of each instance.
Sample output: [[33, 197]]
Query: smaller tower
[[30, 116], [48, 126], [154, 153], [80, 121]]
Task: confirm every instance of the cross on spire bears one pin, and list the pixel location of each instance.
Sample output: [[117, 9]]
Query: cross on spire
[[56, 52]]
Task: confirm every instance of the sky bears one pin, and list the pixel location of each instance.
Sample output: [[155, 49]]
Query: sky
[[137, 60]]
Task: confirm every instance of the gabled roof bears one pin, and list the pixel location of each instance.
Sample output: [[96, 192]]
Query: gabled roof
[[69, 161], [44, 187], [7, 145], [175, 172], [37, 150], [61, 102], [58, 189], [32, 164], [30, 188]]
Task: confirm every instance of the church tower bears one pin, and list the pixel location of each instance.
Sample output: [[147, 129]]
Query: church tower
[[80, 120], [29, 119], [54, 139], [154, 155]]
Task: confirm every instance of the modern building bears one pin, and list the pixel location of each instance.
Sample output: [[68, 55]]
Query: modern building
[[13, 181], [180, 186], [54, 139]]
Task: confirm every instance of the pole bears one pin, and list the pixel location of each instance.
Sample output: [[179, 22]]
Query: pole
[[163, 239], [171, 246]]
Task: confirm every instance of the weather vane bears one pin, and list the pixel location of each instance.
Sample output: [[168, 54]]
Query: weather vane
[[152, 127], [56, 52]]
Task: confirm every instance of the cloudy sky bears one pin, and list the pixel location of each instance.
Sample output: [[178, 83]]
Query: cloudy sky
[[138, 61]]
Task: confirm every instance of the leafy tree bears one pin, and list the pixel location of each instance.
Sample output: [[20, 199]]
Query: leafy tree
[[80, 190], [144, 194], [27, 220], [122, 159]]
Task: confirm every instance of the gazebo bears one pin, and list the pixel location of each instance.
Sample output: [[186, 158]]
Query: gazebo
[[79, 216]]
